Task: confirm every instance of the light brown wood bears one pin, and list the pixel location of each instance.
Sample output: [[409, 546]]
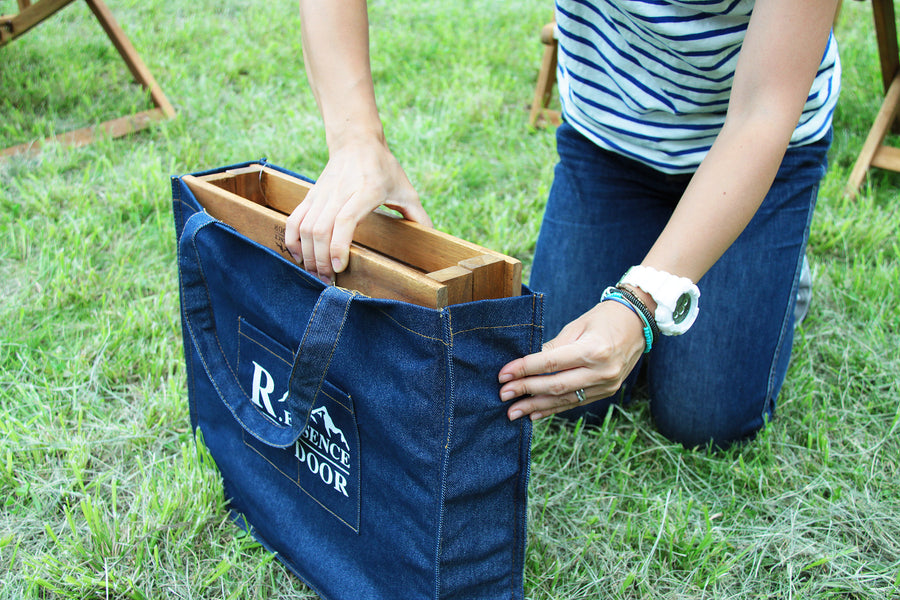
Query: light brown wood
[[540, 115], [263, 185], [82, 137], [137, 67], [378, 276], [458, 281], [31, 14], [884, 119], [887, 157], [283, 192], [247, 183], [467, 270], [488, 276], [423, 248], [430, 249], [886, 36], [874, 153], [369, 272], [12, 26]]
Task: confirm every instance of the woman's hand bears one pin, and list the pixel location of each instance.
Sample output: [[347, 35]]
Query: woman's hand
[[361, 173], [595, 352], [360, 176]]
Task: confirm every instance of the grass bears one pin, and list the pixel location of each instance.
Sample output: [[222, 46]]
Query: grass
[[102, 490]]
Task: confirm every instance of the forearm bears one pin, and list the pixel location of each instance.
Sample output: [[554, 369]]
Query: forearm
[[362, 173], [778, 62], [721, 199], [335, 38]]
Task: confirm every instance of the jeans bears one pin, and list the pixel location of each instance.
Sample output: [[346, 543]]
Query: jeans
[[718, 382]]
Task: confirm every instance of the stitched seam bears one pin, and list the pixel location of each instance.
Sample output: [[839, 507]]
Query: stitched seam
[[260, 343], [483, 327], [445, 455], [401, 325]]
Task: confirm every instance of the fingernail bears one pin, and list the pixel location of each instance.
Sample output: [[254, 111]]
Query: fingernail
[[507, 395], [536, 416], [325, 279], [336, 264], [504, 377], [515, 415]]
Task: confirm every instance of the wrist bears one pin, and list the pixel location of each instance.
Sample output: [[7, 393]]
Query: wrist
[[349, 135], [629, 300]]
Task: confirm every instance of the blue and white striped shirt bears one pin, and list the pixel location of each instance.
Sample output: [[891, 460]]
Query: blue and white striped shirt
[[650, 79]]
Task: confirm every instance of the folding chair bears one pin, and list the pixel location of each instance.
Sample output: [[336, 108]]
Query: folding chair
[[874, 152], [543, 91], [32, 13]]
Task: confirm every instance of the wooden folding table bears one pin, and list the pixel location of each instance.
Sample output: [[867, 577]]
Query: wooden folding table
[[32, 13]]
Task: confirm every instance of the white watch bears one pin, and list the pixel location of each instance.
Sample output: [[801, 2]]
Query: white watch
[[676, 297]]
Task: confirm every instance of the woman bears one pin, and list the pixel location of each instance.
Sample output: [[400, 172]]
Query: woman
[[694, 140]]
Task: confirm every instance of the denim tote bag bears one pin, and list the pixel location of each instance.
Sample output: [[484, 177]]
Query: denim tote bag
[[360, 439]]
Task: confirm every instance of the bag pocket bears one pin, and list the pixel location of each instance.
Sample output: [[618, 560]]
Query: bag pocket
[[324, 462]]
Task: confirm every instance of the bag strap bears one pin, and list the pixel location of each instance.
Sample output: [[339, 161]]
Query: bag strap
[[311, 361]]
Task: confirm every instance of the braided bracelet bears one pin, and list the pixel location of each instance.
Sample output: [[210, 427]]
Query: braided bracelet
[[642, 308], [616, 295]]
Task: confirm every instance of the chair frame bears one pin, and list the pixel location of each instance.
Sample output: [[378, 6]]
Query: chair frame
[[31, 13], [874, 152]]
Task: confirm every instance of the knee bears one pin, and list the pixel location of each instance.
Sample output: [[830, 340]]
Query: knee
[[718, 423]]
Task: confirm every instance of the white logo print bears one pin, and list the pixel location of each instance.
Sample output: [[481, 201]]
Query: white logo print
[[322, 447], [261, 391], [324, 450]]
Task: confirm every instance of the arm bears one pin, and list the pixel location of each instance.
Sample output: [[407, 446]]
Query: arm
[[361, 173], [781, 53]]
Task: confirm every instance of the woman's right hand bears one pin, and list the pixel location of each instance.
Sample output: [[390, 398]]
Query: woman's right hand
[[360, 176]]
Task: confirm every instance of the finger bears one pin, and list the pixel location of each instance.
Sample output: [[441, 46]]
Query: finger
[[307, 245], [292, 232], [412, 210], [536, 407], [315, 234], [544, 361], [344, 227], [557, 384], [341, 238], [321, 239], [550, 360]]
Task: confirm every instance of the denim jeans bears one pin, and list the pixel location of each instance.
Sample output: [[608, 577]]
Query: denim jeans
[[718, 382]]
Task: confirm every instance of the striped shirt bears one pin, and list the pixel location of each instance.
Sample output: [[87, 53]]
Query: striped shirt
[[650, 79]]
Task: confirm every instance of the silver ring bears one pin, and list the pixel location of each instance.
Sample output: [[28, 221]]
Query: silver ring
[[580, 395]]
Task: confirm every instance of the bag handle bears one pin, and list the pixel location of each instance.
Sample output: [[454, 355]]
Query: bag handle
[[311, 361]]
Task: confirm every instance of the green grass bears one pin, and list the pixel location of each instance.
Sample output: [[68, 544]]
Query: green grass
[[102, 491]]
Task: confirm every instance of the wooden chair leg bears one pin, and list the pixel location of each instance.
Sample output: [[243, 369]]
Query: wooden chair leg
[[543, 90], [873, 153], [30, 14], [113, 128], [130, 56]]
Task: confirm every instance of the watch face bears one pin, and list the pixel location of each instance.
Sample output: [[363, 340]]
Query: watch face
[[682, 308]]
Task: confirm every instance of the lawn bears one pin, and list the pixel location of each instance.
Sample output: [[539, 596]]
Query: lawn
[[103, 493]]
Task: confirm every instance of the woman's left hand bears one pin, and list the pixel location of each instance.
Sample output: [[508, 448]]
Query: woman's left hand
[[593, 353]]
